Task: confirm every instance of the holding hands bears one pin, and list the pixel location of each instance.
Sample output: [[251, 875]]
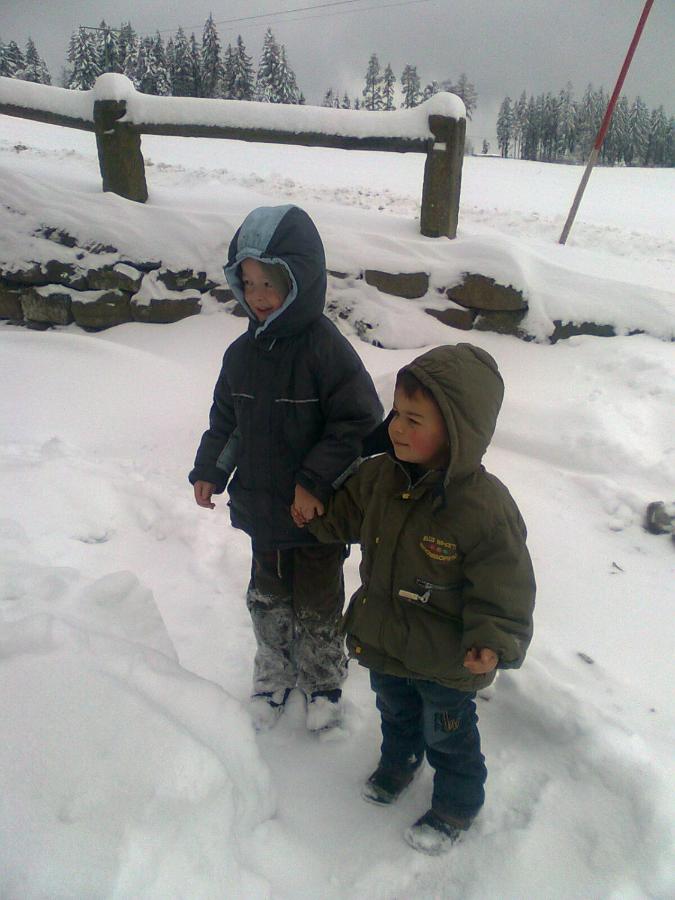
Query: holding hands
[[305, 507]]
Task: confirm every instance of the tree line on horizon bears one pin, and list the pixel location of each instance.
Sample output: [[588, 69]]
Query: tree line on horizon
[[559, 128], [185, 67], [549, 127]]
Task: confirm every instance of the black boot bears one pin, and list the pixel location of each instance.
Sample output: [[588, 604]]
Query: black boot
[[387, 783], [431, 834]]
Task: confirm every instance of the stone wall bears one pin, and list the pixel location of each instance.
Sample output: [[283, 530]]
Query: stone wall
[[115, 290], [55, 293]]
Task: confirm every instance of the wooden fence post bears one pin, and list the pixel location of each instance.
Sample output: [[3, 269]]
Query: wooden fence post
[[119, 151], [443, 177]]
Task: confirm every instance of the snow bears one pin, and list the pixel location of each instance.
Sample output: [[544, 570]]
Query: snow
[[76, 104], [144, 109], [151, 288], [129, 766], [618, 267]]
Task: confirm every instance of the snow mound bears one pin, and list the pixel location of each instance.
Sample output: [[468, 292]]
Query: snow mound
[[123, 774]]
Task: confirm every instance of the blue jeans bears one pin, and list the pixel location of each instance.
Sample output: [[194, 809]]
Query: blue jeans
[[419, 716]]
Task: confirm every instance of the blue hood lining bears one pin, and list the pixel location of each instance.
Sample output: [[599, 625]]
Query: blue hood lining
[[255, 234]]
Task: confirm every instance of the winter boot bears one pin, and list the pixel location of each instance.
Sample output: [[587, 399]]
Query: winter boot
[[386, 784], [660, 518], [324, 710], [266, 707], [431, 834]]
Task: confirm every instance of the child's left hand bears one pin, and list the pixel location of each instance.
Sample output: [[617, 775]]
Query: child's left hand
[[305, 506], [479, 661]]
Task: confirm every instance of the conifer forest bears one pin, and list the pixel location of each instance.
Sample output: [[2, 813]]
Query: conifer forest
[[548, 127]]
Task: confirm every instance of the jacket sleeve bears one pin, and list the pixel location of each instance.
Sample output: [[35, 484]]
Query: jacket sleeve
[[215, 460], [351, 409], [499, 594], [343, 518]]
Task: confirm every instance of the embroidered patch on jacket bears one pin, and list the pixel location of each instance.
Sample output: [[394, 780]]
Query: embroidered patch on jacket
[[435, 548]]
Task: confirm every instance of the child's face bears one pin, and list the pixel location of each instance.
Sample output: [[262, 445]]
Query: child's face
[[417, 431], [260, 293]]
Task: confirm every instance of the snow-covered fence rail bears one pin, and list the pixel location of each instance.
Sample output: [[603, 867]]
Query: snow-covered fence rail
[[119, 115]]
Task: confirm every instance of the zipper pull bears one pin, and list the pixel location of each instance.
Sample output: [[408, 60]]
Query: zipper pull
[[418, 598]]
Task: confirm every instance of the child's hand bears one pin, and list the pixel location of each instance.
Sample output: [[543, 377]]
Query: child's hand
[[305, 506], [480, 661], [203, 492]]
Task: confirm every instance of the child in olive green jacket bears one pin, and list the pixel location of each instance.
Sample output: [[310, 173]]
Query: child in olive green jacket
[[447, 587]]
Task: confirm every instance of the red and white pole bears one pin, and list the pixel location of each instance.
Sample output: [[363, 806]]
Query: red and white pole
[[605, 122]]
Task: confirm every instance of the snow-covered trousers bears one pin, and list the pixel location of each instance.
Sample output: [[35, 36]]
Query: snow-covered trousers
[[295, 598]]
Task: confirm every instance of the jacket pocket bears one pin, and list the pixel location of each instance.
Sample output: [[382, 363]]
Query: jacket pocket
[[433, 619], [433, 647], [437, 599]]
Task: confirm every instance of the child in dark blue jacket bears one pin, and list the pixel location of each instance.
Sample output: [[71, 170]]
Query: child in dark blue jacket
[[290, 409]]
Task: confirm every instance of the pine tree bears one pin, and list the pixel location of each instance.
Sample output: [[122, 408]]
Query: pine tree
[[108, 49], [144, 76], [639, 132], [590, 111], [519, 125], [550, 125], [162, 86], [228, 72], [170, 55], [505, 127], [35, 68], [410, 85], [83, 57], [432, 88], [182, 76], [357, 103], [346, 104], [287, 87], [243, 81], [567, 135], [212, 67], [133, 52], [531, 131], [372, 92], [670, 143], [332, 99], [465, 89], [619, 130], [128, 49], [658, 138], [196, 65], [14, 61], [388, 82], [267, 83]]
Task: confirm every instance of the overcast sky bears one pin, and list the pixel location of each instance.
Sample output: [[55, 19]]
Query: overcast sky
[[504, 46]]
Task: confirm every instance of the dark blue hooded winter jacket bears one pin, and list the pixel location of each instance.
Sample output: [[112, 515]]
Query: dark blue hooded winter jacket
[[293, 400]]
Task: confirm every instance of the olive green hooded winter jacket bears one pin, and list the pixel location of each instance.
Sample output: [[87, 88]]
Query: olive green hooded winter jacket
[[444, 563]]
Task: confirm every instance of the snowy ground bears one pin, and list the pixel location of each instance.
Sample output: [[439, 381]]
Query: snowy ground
[[128, 767]]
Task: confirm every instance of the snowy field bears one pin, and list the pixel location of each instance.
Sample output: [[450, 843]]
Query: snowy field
[[128, 766]]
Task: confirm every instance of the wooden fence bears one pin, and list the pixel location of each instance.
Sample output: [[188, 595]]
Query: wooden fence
[[121, 160]]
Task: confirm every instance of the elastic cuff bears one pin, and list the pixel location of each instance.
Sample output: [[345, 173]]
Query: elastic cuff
[[320, 491]]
